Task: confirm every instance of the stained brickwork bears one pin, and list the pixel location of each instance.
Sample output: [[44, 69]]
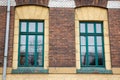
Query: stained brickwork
[[2, 35], [114, 26], [62, 37], [36, 2], [100, 3]]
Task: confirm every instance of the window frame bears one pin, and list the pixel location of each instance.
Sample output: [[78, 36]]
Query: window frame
[[27, 34], [94, 34]]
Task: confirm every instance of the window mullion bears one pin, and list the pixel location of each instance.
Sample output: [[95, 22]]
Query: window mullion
[[26, 55], [87, 56]]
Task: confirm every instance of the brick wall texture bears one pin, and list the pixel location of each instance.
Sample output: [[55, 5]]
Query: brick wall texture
[[114, 27], [2, 35], [62, 37]]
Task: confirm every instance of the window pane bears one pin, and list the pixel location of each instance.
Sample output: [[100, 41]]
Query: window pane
[[99, 40], [23, 39], [23, 26], [31, 60], [100, 60], [82, 27], [31, 48], [90, 28], [90, 40], [39, 60], [83, 40], [91, 60], [40, 40], [84, 60], [32, 27], [40, 27], [22, 60], [83, 50], [31, 40], [39, 49], [99, 50], [98, 28], [22, 49], [91, 50]]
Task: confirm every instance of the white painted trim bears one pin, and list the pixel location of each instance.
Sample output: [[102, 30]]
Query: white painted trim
[[4, 3], [113, 4], [62, 3]]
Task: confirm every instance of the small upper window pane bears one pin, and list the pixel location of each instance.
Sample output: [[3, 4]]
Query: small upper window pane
[[90, 28], [40, 27], [23, 26], [98, 28], [32, 27], [82, 27]]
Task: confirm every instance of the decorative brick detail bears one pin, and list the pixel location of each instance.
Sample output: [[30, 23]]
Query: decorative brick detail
[[62, 37], [34, 2], [114, 26], [2, 35], [100, 3]]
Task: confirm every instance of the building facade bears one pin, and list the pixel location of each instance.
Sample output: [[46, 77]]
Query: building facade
[[61, 39]]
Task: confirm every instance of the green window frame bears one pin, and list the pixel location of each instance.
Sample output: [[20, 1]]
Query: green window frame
[[31, 44], [91, 44]]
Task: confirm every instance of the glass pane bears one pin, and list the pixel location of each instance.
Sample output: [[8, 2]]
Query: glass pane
[[91, 50], [99, 50], [31, 60], [31, 40], [98, 28], [100, 60], [39, 60], [40, 27], [40, 40], [22, 49], [99, 40], [82, 27], [31, 48], [90, 40], [91, 60], [39, 49], [23, 39], [83, 40], [32, 27], [30, 53], [22, 60], [90, 28], [83, 60], [83, 50], [23, 26]]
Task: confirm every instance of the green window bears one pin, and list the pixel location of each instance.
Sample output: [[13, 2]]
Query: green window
[[31, 44], [91, 44]]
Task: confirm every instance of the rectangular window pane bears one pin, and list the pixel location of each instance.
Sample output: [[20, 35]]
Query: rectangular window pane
[[23, 26], [99, 40], [91, 40], [83, 40], [40, 40], [22, 60], [39, 60], [31, 48], [40, 27], [91, 50], [23, 39], [31, 40], [82, 27], [83, 50], [98, 28], [84, 60], [92, 60], [22, 49], [31, 60], [90, 28], [32, 27]]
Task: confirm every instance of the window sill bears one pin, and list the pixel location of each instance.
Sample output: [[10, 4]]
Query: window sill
[[30, 70], [93, 70]]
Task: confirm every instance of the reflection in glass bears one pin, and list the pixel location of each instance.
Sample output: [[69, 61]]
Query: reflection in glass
[[90, 28], [99, 40], [83, 40], [23, 39], [32, 27], [98, 28], [83, 50], [31, 40], [91, 60], [22, 49], [84, 60], [23, 27], [40, 40], [82, 28], [40, 27], [22, 60], [39, 60], [31, 60], [90, 40], [31, 48], [91, 50]]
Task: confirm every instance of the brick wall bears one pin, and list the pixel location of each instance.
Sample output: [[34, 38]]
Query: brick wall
[[36, 2], [114, 26], [62, 37], [2, 35], [101, 3]]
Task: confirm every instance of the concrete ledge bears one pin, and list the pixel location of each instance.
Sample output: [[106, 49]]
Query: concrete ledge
[[62, 70], [116, 70]]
